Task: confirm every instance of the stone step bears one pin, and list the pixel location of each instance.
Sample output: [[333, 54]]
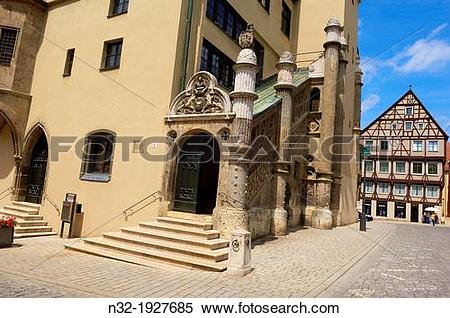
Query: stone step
[[115, 255], [21, 215], [31, 223], [207, 234], [33, 234], [180, 248], [185, 223], [27, 204], [212, 244], [32, 229], [23, 209], [191, 216], [160, 255]]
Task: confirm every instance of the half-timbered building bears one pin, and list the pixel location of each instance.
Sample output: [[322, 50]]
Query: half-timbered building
[[403, 178]]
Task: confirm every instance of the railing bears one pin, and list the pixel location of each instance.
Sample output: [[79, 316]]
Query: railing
[[52, 202], [6, 193], [141, 204]]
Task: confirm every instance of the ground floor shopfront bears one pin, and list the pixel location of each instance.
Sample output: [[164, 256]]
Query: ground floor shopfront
[[400, 210]]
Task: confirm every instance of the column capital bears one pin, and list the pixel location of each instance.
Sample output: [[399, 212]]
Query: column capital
[[333, 33], [286, 68]]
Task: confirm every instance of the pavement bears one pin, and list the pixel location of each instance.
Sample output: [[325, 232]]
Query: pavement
[[389, 260]]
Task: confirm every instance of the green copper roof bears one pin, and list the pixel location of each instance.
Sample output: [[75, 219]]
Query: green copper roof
[[267, 96]]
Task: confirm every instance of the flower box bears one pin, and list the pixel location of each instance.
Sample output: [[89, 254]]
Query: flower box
[[6, 237], [7, 225]]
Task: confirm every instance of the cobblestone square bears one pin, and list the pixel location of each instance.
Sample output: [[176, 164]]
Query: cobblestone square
[[389, 260]]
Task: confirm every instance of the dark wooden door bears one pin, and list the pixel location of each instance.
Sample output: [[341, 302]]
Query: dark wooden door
[[414, 213], [188, 176], [38, 167]]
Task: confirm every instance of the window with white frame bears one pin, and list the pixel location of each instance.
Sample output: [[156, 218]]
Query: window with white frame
[[420, 126], [417, 168], [409, 111], [384, 166], [400, 189], [416, 190], [369, 166], [400, 167], [369, 145], [384, 188], [369, 186], [433, 168], [417, 145], [433, 146], [408, 125], [432, 192], [384, 145]]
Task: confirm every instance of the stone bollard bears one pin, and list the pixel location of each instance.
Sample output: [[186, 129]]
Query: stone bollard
[[239, 258]]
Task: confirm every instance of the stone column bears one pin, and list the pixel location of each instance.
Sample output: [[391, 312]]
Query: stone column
[[322, 215], [339, 131], [284, 88], [234, 216]]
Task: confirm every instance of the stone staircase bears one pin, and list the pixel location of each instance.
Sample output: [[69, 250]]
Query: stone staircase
[[29, 222], [179, 239]]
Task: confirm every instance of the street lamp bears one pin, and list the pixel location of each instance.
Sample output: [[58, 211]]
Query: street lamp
[[365, 152]]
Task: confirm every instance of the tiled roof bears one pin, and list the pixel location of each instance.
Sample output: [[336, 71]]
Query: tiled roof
[[267, 96]]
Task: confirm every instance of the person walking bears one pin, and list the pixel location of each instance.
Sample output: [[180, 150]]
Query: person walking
[[433, 219]]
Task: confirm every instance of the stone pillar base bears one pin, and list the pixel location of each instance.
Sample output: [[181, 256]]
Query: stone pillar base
[[228, 220], [239, 258], [280, 222], [322, 219]]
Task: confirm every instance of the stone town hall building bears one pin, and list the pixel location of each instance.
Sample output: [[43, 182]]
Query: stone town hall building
[[166, 99]]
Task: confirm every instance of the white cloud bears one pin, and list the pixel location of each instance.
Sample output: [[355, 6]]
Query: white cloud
[[370, 68], [425, 55], [370, 102]]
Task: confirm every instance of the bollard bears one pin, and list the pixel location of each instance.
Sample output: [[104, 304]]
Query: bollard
[[239, 258]]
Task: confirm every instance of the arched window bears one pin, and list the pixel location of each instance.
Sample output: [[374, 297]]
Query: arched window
[[98, 154], [314, 100]]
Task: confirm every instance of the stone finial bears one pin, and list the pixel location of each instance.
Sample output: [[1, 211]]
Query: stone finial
[[286, 68], [247, 37], [333, 30]]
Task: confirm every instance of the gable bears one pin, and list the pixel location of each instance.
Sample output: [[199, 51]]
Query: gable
[[407, 118]]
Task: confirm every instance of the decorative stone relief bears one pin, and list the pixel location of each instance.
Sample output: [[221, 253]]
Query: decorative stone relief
[[202, 96]]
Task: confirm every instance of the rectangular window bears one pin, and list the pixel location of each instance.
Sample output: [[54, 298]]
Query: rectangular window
[[400, 189], [409, 111], [218, 64], [433, 146], [420, 126], [97, 157], [8, 39], [369, 187], [286, 16], [417, 168], [382, 208], [265, 4], [400, 167], [369, 145], [417, 145], [400, 210], [408, 125], [393, 126], [112, 54], [433, 168], [384, 166], [118, 7], [69, 62], [432, 192], [416, 190], [369, 166], [384, 188], [384, 145], [259, 50], [226, 17]]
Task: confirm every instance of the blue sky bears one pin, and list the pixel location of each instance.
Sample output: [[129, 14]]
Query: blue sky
[[405, 43]]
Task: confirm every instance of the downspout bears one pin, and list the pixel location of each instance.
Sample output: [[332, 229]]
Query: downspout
[[187, 42]]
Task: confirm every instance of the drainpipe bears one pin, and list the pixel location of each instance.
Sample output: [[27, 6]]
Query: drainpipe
[[187, 40]]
